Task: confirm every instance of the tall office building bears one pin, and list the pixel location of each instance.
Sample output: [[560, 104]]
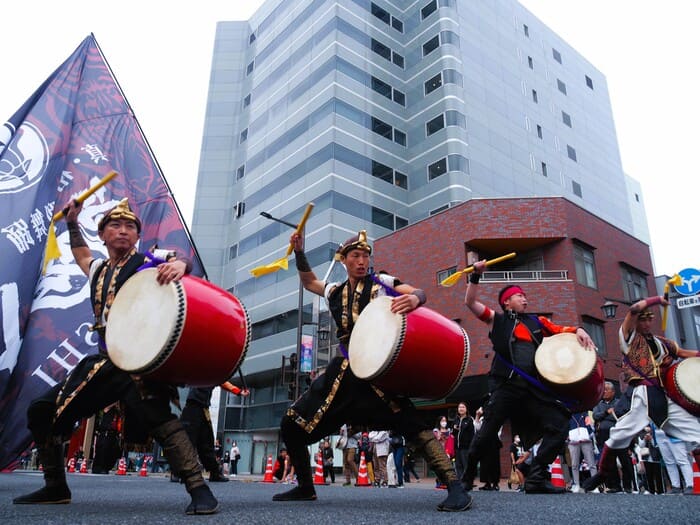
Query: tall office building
[[382, 113]]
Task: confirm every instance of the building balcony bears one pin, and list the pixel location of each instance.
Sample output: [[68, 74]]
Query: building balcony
[[525, 276]]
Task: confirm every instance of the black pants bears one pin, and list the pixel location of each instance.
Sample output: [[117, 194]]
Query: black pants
[[196, 420]]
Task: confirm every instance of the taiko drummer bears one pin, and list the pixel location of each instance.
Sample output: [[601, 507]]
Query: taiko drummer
[[338, 396], [96, 383], [646, 357], [516, 392]]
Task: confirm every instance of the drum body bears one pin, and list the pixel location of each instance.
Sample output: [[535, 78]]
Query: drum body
[[683, 384], [570, 371], [419, 354], [186, 332]]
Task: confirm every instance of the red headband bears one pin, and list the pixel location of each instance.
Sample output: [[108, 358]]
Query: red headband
[[509, 292]]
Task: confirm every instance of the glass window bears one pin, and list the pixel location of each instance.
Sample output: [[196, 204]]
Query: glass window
[[428, 9], [444, 274], [240, 172], [381, 128], [534, 96], [571, 152], [557, 55], [380, 13], [382, 218], [566, 118], [526, 30], [252, 38], [597, 332], [544, 168], [589, 82], [437, 168], [400, 180], [381, 49], [397, 59], [399, 98], [539, 131], [381, 87], [434, 83], [431, 45], [250, 68], [530, 63], [438, 210], [399, 137], [400, 222], [635, 284], [585, 266], [244, 135], [246, 101], [397, 24], [561, 86], [576, 188], [383, 172], [435, 124], [232, 251]]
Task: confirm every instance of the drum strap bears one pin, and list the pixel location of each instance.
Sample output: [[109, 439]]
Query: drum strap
[[568, 402]]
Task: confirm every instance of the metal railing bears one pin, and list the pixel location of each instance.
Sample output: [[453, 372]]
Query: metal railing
[[525, 275]]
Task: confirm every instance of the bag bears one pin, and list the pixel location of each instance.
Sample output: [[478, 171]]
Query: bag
[[578, 434], [513, 479], [238, 456], [342, 441]]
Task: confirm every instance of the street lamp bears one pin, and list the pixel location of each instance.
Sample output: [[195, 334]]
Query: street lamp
[[300, 313], [609, 309]]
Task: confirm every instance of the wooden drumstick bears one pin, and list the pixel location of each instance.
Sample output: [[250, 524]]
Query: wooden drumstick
[[452, 279], [80, 198]]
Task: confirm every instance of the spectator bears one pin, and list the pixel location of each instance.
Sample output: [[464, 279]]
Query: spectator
[[580, 442], [235, 457], [278, 470], [366, 446], [398, 448], [463, 432], [650, 457], [348, 443], [327, 458], [674, 453], [381, 443], [444, 436], [518, 458], [409, 466]]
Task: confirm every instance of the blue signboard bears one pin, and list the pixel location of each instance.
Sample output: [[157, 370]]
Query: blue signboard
[[690, 282]]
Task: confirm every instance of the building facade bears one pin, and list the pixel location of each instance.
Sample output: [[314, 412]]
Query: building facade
[[382, 113]]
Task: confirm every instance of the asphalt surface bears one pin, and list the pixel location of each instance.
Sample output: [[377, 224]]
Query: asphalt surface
[[111, 499]]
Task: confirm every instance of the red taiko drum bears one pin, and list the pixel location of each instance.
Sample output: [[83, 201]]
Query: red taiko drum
[[571, 371], [419, 354], [683, 384], [186, 332]]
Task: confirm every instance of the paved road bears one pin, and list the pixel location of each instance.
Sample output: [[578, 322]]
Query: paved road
[[154, 500]]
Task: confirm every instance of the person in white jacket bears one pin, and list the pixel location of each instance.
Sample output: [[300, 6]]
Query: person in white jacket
[[382, 444]]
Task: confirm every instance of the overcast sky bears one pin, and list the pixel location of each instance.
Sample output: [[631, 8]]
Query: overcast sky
[[161, 51]]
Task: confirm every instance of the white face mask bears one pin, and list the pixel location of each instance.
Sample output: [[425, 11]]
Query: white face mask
[[443, 424]]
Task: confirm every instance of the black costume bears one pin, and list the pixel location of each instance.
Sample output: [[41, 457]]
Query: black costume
[[337, 397], [96, 383], [604, 422], [533, 412], [463, 432]]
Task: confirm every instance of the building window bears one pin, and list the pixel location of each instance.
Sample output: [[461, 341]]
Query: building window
[[240, 172], [589, 82], [400, 222], [635, 284], [437, 168], [249, 69], [544, 168], [399, 137], [434, 83], [252, 38], [526, 30], [539, 131], [244, 135], [380, 13], [428, 9], [399, 98], [381, 128], [381, 87], [397, 24], [381, 49], [534, 96], [556, 55], [233, 251], [444, 274], [438, 210], [239, 209], [435, 125], [382, 218], [597, 332], [530, 63], [585, 266], [382, 172], [561, 86], [246, 101], [397, 59], [401, 180], [571, 152], [431, 45], [576, 188], [566, 118]]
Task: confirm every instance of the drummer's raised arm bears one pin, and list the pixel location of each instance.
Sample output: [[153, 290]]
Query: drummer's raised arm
[[477, 307], [308, 278], [81, 252]]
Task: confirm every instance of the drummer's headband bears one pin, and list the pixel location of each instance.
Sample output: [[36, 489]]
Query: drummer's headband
[[508, 292], [120, 211], [358, 242], [647, 313]]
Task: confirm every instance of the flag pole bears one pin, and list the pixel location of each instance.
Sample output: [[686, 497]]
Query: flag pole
[[188, 234]]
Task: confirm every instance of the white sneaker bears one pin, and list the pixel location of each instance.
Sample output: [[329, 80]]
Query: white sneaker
[[575, 489]]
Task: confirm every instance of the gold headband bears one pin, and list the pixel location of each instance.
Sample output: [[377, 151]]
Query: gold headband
[[358, 242], [120, 211], [647, 313]]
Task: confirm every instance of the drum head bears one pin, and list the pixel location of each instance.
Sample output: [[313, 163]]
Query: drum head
[[687, 378], [144, 318], [376, 337], [560, 359]]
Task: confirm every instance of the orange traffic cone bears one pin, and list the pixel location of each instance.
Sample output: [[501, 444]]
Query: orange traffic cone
[[362, 476], [83, 466], [557, 474], [121, 469], [319, 479], [71, 465], [268, 471], [144, 471], [696, 478]]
